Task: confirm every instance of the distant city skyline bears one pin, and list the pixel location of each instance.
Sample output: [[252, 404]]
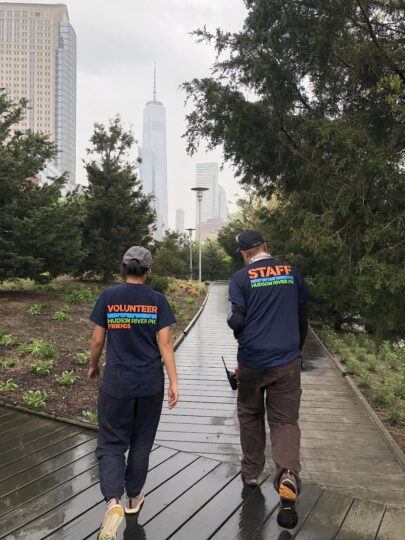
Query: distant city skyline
[[38, 63], [117, 45]]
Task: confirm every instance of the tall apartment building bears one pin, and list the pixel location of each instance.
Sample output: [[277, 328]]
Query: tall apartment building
[[153, 168], [38, 62], [207, 176]]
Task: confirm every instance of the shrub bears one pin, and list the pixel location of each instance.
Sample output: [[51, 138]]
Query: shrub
[[9, 362], [371, 361], [172, 286], [174, 305], [353, 367], [158, 283], [365, 379], [91, 416], [67, 378], [8, 386], [181, 313], [82, 295], [82, 358], [35, 309], [42, 367], [8, 340], [61, 314], [384, 350], [36, 398], [39, 347], [190, 300]]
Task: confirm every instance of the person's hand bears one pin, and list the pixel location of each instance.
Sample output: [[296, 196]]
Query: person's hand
[[237, 374], [172, 395], [93, 374]]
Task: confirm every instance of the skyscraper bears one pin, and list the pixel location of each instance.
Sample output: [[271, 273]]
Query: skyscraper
[[180, 221], [222, 204], [38, 62], [153, 169], [207, 176]]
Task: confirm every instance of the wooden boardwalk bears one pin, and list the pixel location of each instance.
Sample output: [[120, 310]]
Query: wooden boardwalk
[[49, 480], [342, 448]]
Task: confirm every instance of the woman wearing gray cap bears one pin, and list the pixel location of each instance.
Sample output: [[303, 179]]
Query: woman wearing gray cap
[[137, 321]]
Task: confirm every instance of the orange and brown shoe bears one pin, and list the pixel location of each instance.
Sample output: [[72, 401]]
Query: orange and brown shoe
[[288, 491]]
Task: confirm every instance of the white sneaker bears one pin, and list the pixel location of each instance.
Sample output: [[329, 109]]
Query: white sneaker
[[112, 519], [134, 504]]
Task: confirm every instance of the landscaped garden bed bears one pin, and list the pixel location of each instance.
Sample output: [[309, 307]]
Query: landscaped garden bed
[[44, 342], [379, 372]]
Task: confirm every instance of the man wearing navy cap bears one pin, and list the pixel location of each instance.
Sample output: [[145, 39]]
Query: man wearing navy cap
[[268, 314]]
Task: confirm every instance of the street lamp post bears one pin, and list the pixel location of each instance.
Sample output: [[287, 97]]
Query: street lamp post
[[190, 234], [199, 191]]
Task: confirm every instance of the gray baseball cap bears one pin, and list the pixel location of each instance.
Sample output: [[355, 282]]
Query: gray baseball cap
[[142, 255]]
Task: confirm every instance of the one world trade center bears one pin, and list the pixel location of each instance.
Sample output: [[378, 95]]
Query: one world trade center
[[153, 168]]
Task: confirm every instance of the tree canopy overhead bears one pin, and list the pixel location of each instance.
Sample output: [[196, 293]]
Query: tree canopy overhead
[[307, 101]]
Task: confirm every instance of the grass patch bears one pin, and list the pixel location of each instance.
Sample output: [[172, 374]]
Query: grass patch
[[378, 369], [90, 416], [35, 398], [9, 362], [8, 386], [82, 358], [42, 367], [39, 347], [62, 314], [8, 340], [67, 378], [35, 310]]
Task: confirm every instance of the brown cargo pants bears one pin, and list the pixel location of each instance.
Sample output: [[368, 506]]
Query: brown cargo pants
[[280, 390]]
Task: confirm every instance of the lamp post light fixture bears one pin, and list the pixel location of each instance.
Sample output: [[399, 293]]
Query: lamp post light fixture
[[199, 191], [190, 235]]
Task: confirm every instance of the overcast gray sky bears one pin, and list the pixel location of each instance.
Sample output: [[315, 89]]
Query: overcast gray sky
[[118, 42]]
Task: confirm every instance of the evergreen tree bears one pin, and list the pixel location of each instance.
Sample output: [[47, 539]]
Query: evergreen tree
[[171, 256], [39, 232], [308, 103], [118, 214]]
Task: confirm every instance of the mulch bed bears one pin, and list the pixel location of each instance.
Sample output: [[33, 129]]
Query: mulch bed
[[69, 338]]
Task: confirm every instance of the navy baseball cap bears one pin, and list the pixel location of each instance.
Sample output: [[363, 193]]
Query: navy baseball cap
[[249, 239]]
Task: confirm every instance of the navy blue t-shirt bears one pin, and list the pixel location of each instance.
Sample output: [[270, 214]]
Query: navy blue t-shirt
[[270, 292], [132, 314]]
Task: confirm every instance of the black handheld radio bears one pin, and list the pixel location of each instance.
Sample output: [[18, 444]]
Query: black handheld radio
[[231, 375]]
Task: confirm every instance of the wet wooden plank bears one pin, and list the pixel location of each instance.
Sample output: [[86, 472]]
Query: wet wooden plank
[[18, 522], [214, 514], [307, 500], [58, 433], [174, 516], [362, 522], [26, 440], [392, 525], [48, 467], [21, 497], [85, 512], [43, 455], [13, 420], [326, 517], [257, 505], [16, 432]]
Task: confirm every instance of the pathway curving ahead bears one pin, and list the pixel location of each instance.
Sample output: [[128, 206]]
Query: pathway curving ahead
[[49, 478]]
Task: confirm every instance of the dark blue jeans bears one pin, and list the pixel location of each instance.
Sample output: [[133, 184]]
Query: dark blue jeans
[[123, 424]]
